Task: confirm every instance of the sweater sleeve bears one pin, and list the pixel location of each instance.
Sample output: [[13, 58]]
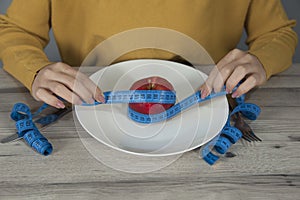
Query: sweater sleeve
[[270, 35], [24, 32]]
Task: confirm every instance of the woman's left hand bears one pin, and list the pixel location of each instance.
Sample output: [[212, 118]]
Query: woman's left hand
[[230, 70]]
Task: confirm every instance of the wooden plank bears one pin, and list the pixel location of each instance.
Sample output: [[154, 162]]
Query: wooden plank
[[275, 97], [293, 70], [210, 189], [282, 81], [8, 83], [67, 176], [66, 167]]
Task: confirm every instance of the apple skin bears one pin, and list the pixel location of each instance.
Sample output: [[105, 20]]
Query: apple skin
[[151, 83]]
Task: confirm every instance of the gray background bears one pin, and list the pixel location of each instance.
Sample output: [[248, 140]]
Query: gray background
[[292, 7]]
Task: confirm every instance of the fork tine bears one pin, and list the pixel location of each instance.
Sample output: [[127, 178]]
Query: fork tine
[[246, 130], [239, 123], [249, 135], [254, 136], [246, 138]]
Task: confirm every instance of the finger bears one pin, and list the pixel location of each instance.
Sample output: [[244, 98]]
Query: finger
[[247, 85], [230, 57], [85, 87], [91, 87], [47, 97], [98, 95], [66, 75], [223, 75], [237, 75], [78, 87], [60, 67], [205, 90], [206, 87], [223, 69], [73, 84], [63, 92]]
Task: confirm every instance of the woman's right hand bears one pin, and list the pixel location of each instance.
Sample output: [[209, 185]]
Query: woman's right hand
[[60, 79]]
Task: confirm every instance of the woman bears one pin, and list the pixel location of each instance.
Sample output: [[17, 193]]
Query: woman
[[79, 26]]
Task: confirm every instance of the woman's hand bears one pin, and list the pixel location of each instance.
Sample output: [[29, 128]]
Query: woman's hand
[[231, 69], [62, 80]]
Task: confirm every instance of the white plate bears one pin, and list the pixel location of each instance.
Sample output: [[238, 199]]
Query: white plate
[[110, 125]]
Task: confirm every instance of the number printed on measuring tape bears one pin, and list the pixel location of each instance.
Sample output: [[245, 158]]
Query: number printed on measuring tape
[[154, 96]]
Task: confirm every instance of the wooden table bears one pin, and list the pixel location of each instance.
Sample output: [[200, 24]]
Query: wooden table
[[266, 170]]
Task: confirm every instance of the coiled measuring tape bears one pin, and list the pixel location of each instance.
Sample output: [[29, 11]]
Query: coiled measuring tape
[[27, 130], [229, 134]]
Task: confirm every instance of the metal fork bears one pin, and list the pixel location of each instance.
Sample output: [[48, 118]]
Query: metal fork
[[241, 124], [246, 130]]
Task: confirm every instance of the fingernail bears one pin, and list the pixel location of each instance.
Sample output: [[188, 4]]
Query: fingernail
[[91, 101], [234, 95], [100, 98], [228, 91], [78, 102], [60, 105], [203, 94]]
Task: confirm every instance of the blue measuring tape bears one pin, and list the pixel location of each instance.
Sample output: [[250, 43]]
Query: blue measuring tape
[[229, 134], [154, 96], [27, 130]]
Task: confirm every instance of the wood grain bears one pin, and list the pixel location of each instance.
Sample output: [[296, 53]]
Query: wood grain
[[266, 170]]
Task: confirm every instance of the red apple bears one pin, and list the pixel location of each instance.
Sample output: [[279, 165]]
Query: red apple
[[151, 83]]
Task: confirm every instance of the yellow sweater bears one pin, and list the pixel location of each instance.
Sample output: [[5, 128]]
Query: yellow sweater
[[79, 25]]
